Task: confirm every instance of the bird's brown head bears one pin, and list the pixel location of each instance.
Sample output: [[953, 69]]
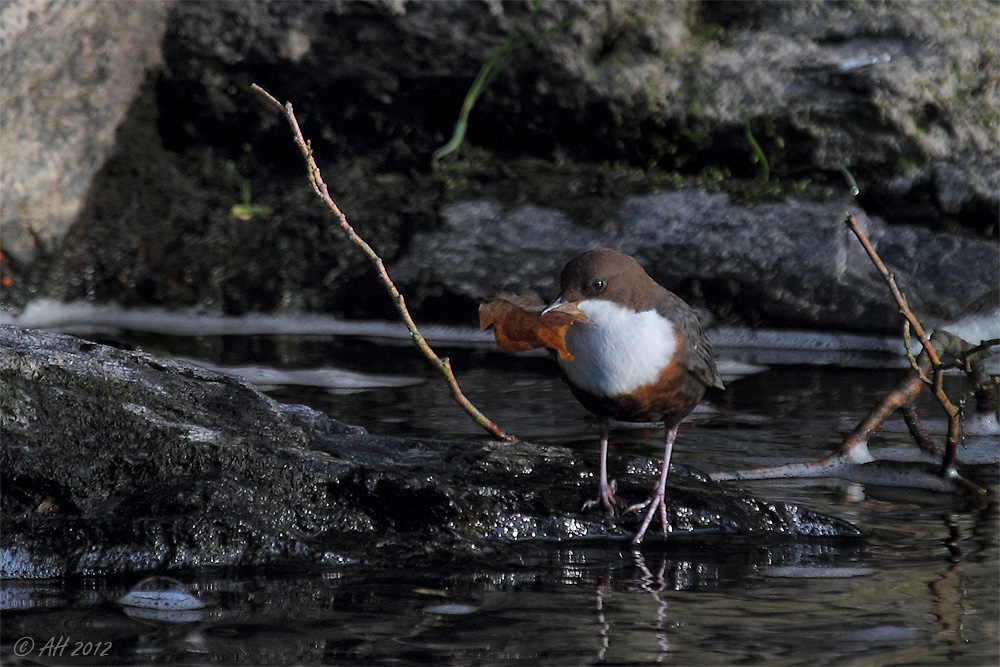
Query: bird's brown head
[[608, 275]]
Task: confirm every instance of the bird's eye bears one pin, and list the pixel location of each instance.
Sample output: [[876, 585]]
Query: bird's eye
[[598, 284]]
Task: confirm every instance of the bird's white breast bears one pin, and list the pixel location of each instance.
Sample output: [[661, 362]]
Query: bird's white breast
[[619, 351]]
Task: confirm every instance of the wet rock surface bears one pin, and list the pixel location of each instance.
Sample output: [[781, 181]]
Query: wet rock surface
[[119, 461]]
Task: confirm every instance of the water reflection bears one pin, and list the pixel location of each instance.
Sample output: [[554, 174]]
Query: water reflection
[[692, 601]]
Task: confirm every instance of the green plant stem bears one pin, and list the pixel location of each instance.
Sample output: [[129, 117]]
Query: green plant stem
[[497, 61], [755, 149]]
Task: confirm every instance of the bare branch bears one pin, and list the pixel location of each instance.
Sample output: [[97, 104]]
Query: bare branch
[[918, 432], [911, 319], [319, 186], [941, 351], [952, 344], [982, 347], [894, 400]]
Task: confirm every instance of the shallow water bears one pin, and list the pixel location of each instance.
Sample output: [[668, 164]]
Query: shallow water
[[922, 587]]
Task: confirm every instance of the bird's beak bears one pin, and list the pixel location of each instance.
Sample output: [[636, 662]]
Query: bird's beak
[[555, 304]]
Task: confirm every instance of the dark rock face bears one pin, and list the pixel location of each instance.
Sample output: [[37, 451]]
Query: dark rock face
[[118, 461], [793, 263], [624, 100]]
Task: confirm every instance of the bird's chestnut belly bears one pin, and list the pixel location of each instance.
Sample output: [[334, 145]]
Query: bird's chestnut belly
[[669, 399]]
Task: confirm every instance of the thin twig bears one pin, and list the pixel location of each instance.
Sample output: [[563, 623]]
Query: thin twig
[[895, 400], [982, 347], [941, 345], [909, 355], [918, 432], [852, 222], [947, 466], [319, 186]]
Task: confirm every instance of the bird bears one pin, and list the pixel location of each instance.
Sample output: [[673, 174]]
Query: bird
[[641, 356]]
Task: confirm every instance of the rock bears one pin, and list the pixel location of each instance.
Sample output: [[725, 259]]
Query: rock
[[903, 95], [793, 264], [118, 461], [71, 70], [881, 89]]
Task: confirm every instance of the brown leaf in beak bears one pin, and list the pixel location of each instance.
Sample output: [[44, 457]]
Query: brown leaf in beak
[[518, 323]]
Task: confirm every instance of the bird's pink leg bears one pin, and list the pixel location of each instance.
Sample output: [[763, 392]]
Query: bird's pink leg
[[656, 503], [606, 490]]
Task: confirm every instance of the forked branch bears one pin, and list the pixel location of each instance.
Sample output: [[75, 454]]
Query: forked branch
[[941, 350], [953, 346]]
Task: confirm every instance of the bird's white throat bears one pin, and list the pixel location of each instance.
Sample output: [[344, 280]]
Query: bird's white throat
[[620, 350]]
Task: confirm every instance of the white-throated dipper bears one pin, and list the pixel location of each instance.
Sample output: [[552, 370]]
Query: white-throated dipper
[[643, 357]]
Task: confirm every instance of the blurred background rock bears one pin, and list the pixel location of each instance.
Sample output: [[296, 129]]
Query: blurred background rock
[[709, 139]]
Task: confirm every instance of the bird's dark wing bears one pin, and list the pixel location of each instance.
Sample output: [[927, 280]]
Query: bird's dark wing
[[699, 360]]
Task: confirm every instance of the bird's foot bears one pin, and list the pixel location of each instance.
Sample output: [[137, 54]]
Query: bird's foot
[[606, 496], [656, 505]]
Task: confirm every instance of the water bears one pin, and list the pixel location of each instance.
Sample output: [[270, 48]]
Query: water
[[922, 588]]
